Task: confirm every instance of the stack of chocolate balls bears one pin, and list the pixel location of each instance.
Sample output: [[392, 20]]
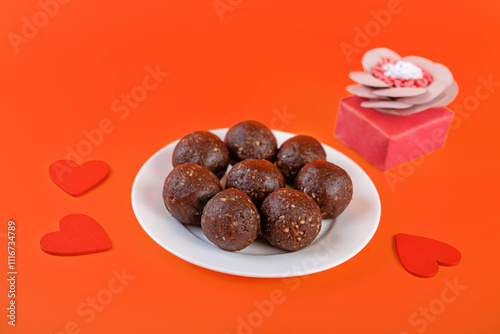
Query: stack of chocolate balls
[[251, 195]]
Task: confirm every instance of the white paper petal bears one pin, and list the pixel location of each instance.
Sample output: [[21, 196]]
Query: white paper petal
[[399, 92], [367, 79], [361, 91], [421, 107], [436, 88], [438, 71], [422, 62], [372, 57], [397, 112], [450, 94]]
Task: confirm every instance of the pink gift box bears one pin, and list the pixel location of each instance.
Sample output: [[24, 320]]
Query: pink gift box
[[390, 140]]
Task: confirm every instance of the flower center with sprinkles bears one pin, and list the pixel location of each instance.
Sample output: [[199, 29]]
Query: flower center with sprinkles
[[403, 70], [399, 73]]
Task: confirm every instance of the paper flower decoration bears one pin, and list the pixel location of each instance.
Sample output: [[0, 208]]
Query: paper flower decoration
[[402, 86]]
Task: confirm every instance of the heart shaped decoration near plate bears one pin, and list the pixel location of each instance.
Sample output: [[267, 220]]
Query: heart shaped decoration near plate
[[339, 240]]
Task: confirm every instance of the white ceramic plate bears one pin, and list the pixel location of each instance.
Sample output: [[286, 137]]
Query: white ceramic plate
[[339, 239]]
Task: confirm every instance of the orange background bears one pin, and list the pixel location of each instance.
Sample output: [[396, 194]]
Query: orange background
[[263, 58]]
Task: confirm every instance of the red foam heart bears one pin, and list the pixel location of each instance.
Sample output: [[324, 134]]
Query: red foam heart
[[80, 234], [76, 179], [422, 256]]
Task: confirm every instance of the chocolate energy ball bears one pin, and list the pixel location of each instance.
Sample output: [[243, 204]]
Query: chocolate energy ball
[[202, 148], [230, 220], [290, 219], [251, 140], [328, 184], [296, 152], [187, 189], [255, 177]]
